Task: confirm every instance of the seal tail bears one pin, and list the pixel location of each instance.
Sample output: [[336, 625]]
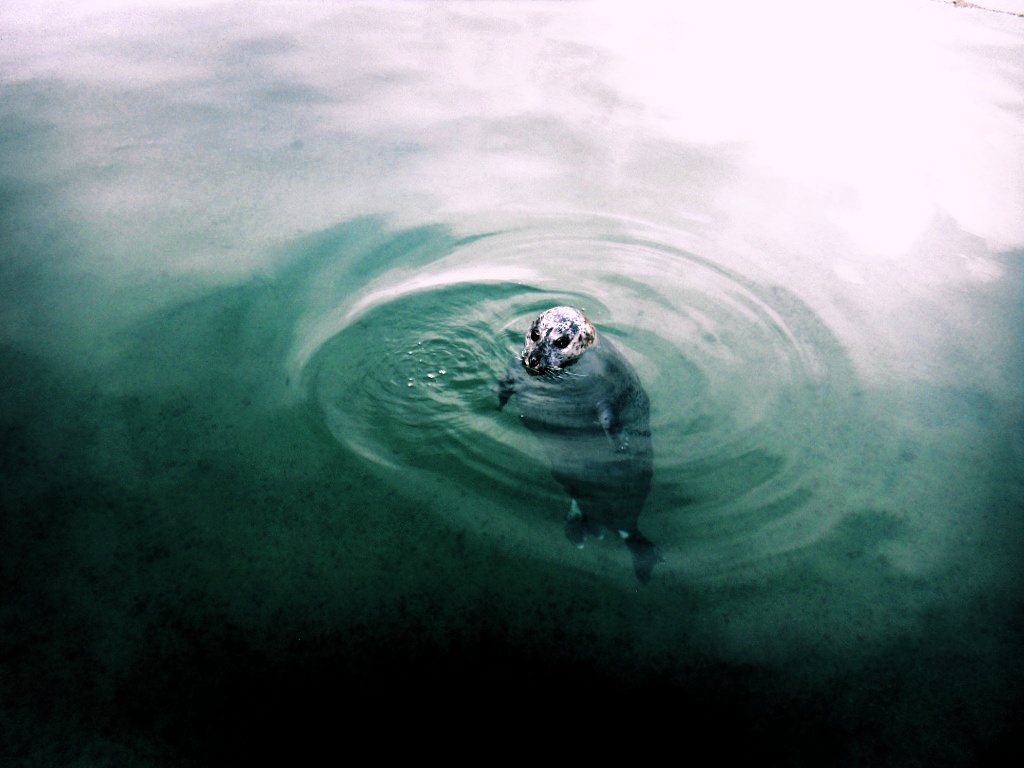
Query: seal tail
[[645, 555]]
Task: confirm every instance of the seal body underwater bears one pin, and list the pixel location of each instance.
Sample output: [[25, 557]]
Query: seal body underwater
[[583, 400]]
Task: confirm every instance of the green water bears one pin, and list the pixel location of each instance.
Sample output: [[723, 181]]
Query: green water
[[260, 273], [200, 553]]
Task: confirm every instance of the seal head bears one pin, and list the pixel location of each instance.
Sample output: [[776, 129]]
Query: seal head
[[556, 340]]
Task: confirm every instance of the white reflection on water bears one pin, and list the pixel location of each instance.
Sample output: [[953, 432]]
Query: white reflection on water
[[816, 147], [888, 113]]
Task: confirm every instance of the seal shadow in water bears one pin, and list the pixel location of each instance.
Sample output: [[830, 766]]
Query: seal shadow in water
[[585, 404]]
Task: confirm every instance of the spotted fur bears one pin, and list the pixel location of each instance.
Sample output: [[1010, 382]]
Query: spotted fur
[[556, 340]]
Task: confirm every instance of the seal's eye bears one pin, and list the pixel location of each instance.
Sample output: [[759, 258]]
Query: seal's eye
[[534, 335], [562, 342]]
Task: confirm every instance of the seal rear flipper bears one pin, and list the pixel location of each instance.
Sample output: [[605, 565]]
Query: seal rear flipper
[[645, 555]]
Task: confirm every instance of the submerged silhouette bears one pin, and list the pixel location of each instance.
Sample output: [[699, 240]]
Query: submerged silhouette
[[585, 403]]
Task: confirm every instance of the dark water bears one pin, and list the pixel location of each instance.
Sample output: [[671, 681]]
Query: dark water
[[260, 272]]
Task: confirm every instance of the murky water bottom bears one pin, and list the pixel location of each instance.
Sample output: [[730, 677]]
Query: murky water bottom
[[259, 496]]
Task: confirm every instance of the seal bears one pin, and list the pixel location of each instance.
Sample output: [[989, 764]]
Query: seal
[[585, 403]]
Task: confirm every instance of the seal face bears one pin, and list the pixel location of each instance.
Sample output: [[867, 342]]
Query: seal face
[[586, 405], [556, 340]]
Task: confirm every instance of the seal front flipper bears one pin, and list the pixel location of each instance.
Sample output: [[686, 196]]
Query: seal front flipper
[[645, 555], [609, 420], [506, 388], [575, 525]]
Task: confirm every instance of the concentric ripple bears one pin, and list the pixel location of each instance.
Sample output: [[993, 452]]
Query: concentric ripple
[[749, 389]]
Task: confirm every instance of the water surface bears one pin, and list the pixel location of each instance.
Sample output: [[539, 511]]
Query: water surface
[[261, 270]]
